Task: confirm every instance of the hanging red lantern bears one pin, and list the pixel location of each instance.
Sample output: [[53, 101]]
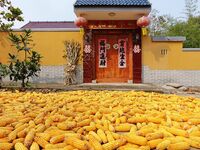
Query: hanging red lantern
[[143, 21], [80, 22]]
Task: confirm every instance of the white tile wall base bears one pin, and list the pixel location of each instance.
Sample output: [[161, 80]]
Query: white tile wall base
[[54, 74], [185, 77]]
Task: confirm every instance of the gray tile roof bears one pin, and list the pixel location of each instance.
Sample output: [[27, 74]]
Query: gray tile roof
[[112, 3]]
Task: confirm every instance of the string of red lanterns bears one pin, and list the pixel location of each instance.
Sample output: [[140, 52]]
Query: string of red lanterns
[[80, 22]]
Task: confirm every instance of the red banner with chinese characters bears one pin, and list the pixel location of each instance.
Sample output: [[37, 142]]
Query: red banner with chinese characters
[[111, 24]]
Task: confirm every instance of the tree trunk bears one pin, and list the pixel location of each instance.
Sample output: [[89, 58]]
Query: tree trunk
[[23, 83], [0, 81]]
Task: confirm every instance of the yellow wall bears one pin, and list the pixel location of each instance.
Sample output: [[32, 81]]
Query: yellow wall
[[49, 44], [176, 59]]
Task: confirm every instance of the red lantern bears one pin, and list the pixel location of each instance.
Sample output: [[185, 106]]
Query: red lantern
[[143, 21], [80, 22]]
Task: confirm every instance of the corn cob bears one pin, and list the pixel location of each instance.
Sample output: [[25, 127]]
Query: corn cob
[[109, 136], [40, 141], [20, 146], [45, 136], [57, 139], [66, 125], [134, 120], [85, 122], [76, 143], [153, 143], [139, 140], [19, 140], [102, 135], [40, 128], [114, 144], [96, 136], [54, 146], [29, 138], [34, 146], [153, 136], [129, 146], [177, 132], [123, 128], [143, 132], [95, 143], [145, 148], [163, 145], [179, 146]]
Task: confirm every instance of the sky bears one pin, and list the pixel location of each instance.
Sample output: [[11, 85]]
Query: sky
[[62, 10]]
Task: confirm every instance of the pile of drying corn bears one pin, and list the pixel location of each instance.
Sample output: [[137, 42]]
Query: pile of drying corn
[[94, 120]]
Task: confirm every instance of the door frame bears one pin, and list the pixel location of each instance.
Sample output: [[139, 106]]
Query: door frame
[[105, 32]]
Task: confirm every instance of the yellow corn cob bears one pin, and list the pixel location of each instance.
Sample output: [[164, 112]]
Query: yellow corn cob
[[96, 136], [153, 143], [4, 133], [123, 127], [133, 129], [40, 141], [54, 146], [115, 135], [20, 140], [163, 145], [139, 140], [111, 128], [179, 146], [40, 128], [109, 136], [22, 134], [114, 144], [194, 144], [145, 148], [102, 135], [20, 146], [69, 147], [95, 143], [89, 128], [6, 146], [99, 126], [143, 132], [76, 143], [129, 146], [57, 139], [85, 122], [134, 120], [123, 119], [175, 139], [34, 146], [45, 136], [117, 122], [177, 132], [29, 138], [153, 136], [12, 136], [48, 122], [66, 125], [195, 133]]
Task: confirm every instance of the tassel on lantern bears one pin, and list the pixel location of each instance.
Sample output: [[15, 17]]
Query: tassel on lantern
[[82, 30], [144, 31]]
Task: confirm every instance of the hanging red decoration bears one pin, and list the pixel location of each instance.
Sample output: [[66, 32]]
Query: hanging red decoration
[[80, 22], [143, 21]]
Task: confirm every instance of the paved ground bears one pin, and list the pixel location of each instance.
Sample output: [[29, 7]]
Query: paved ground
[[192, 91]]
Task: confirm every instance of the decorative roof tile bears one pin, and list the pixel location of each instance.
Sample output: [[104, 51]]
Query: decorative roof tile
[[112, 3], [47, 24]]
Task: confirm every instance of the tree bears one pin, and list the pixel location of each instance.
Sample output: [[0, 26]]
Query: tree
[[3, 72], [191, 8], [190, 29], [8, 15], [160, 23], [28, 67]]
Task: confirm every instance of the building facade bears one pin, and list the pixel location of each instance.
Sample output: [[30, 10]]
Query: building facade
[[113, 46]]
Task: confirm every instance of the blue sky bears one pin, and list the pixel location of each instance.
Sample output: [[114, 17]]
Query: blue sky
[[62, 10]]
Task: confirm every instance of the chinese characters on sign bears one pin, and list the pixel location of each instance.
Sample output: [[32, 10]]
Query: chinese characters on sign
[[122, 53], [137, 49], [102, 53]]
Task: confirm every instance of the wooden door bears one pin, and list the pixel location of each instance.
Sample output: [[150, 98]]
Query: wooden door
[[112, 58]]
